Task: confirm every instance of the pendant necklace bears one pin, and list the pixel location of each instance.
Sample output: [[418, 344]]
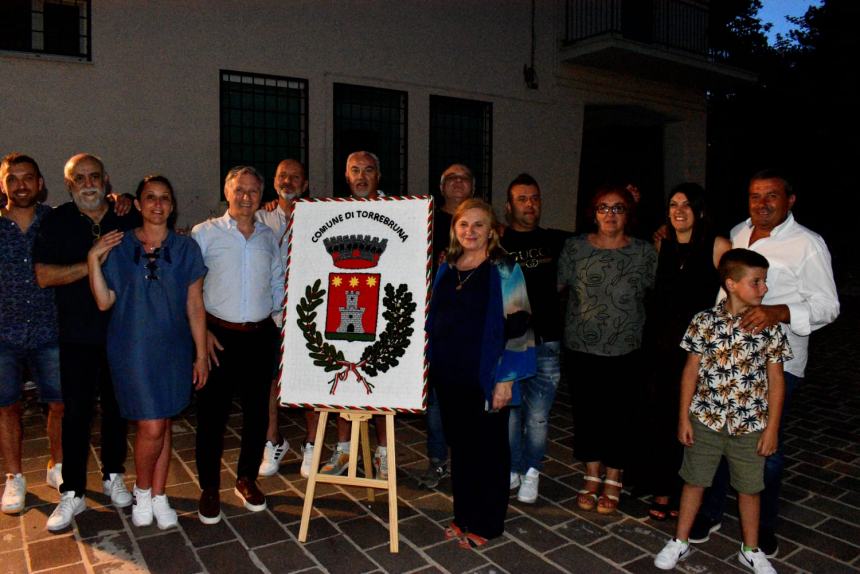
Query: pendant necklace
[[461, 281]]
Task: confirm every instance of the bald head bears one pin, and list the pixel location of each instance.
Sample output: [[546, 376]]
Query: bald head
[[457, 184]]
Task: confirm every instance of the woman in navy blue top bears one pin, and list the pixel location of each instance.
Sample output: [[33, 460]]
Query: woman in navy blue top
[[153, 280]]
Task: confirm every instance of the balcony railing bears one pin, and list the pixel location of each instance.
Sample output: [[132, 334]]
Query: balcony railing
[[676, 24]]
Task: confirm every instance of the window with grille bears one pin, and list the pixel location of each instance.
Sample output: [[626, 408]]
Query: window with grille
[[461, 131], [56, 27], [374, 120], [264, 119]]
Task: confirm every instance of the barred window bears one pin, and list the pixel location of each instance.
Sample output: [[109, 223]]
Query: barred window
[[461, 131], [264, 119], [374, 120], [57, 27]]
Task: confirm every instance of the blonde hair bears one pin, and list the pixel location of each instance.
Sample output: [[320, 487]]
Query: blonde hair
[[494, 249]]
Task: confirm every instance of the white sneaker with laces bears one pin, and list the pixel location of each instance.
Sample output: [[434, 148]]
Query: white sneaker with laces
[[54, 475], [165, 516], [116, 489], [515, 480], [756, 561], [14, 493], [672, 553], [69, 507], [380, 462], [273, 454], [307, 459], [141, 512], [528, 492]]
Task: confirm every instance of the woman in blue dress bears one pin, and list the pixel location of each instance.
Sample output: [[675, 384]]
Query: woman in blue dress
[[153, 280]]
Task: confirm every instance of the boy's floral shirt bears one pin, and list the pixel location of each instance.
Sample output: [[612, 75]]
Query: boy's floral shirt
[[732, 386]]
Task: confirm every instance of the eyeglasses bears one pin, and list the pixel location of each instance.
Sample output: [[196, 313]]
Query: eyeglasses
[[617, 209], [457, 177], [151, 267]]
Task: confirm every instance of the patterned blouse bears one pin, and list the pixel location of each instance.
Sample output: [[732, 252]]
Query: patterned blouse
[[732, 387], [606, 305]]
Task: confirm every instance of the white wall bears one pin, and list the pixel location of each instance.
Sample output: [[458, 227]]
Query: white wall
[[149, 100]]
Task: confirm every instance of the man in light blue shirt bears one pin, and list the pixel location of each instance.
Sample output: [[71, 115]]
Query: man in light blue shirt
[[243, 293]]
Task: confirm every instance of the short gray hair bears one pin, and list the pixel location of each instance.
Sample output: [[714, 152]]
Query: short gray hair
[[242, 170], [363, 152], [78, 158]]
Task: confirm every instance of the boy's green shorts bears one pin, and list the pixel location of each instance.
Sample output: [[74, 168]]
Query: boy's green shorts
[[746, 467]]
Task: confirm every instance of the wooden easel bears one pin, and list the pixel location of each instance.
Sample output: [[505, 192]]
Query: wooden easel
[[359, 421]]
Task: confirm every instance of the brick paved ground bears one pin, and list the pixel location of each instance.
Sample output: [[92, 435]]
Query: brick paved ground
[[820, 531]]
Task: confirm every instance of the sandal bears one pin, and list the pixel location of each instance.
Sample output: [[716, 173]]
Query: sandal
[[587, 499], [659, 511], [608, 503], [472, 540], [454, 531]]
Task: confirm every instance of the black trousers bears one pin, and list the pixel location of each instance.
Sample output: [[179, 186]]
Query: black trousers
[[604, 392], [246, 368], [84, 376], [480, 459]]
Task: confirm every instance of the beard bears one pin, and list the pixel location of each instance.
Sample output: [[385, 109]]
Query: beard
[[89, 203], [288, 193]]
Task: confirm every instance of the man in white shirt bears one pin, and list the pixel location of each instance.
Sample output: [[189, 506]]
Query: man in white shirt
[[243, 293], [291, 183], [802, 297]]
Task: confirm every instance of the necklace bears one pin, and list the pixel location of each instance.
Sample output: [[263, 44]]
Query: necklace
[[461, 281]]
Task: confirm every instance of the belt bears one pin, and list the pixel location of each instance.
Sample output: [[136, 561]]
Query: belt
[[240, 327]]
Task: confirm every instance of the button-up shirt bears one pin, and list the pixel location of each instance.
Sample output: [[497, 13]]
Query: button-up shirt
[[245, 282], [800, 276], [276, 220], [732, 388], [28, 314]]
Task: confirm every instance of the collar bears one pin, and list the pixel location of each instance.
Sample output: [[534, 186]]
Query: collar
[[779, 229], [230, 223]]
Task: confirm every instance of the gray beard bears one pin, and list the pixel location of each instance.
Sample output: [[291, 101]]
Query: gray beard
[[89, 204]]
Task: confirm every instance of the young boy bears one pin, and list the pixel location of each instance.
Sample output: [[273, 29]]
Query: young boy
[[732, 390]]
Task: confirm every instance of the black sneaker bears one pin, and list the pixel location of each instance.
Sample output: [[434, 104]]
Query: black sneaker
[[702, 529], [436, 471], [768, 543]]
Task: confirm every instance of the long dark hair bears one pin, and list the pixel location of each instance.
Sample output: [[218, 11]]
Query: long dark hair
[[695, 195], [156, 178]]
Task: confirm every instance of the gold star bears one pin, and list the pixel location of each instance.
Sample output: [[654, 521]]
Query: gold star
[[353, 281], [336, 281], [371, 281]]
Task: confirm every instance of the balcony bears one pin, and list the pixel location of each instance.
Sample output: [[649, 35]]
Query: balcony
[[661, 40]]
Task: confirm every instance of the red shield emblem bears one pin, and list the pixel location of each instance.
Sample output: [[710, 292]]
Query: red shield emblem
[[353, 301]]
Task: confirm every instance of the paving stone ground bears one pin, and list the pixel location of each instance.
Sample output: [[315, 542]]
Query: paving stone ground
[[820, 530]]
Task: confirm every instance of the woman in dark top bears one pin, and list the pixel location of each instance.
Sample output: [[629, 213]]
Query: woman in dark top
[[480, 345], [686, 283]]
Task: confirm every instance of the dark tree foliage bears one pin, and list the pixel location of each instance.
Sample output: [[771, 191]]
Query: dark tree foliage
[[801, 115]]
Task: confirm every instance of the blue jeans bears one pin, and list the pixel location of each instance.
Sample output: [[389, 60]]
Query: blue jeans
[[44, 365], [714, 501], [527, 426], [437, 448]]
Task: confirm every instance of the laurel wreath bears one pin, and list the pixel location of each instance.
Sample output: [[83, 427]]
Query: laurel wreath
[[378, 357]]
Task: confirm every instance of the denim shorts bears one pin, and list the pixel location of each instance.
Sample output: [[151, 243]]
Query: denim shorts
[[746, 466], [44, 366]]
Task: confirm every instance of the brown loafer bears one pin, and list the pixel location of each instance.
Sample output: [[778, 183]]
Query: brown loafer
[[247, 491], [209, 507]]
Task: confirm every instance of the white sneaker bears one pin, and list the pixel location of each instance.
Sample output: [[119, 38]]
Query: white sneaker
[[273, 454], [307, 459], [164, 515], [116, 489], [756, 561], [528, 492], [380, 462], [69, 507], [515, 480], [672, 553], [54, 475], [141, 512], [14, 493]]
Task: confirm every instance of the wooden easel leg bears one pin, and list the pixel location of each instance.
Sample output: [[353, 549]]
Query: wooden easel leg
[[312, 478], [392, 485], [368, 461]]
